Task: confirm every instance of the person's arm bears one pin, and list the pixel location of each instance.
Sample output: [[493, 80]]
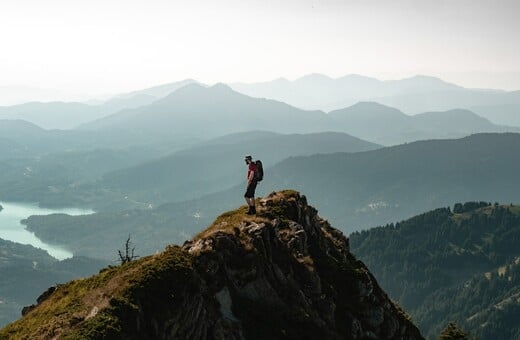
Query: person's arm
[[250, 174]]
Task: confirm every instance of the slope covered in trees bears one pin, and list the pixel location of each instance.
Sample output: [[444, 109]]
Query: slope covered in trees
[[459, 265]]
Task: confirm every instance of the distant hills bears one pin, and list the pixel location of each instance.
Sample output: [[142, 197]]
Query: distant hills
[[365, 189], [68, 115], [21, 139], [138, 176], [318, 91], [389, 126], [157, 92], [460, 263], [411, 95], [52, 115], [355, 190], [191, 110], [180, 110], [217, 164], [27, 139], [201, 112]]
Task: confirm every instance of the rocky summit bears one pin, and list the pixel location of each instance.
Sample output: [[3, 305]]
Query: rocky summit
[[282, 274]]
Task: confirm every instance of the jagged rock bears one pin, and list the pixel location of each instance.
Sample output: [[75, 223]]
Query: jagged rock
[[282, 274], [44, 296]]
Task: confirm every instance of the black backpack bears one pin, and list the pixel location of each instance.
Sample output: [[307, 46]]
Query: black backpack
[[259, 173]]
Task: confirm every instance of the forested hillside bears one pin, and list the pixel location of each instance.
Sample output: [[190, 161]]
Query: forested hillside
[[460, 264]]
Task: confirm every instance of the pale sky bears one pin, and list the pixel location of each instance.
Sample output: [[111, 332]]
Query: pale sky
[[108, 46]]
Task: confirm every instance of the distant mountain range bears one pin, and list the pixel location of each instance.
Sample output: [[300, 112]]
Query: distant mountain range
[[318, 91], [193, 109], [411, 95], [361, 190], [217, 164], [52, 115], [68, 115], [198, 111], [389, 126], [355, 190], [312, 92], [87, 177], [21, 139]]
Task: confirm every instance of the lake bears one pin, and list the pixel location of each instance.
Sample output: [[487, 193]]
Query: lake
[[11, 229]]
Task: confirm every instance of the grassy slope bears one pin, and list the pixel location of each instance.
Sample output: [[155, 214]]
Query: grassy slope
[[90, 308]]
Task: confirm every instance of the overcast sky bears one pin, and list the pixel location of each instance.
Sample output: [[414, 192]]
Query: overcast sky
[[109, 46]]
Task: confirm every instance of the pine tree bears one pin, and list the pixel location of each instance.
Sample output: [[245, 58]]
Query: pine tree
[[453, 332]]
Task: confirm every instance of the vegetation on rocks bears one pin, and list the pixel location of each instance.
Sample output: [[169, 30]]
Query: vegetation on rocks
[[283, 274]]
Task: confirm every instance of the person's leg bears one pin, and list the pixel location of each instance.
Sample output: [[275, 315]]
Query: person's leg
[[250, 197], [252, 205]]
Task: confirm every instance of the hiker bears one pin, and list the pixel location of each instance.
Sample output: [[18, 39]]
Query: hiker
[[251, 185]]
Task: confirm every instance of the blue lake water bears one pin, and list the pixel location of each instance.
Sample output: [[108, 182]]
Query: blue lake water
[[11, 229]]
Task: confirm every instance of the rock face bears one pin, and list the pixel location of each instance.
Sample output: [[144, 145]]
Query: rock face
[[282, 274]]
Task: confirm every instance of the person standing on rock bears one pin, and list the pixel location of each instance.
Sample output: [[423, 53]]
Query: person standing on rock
[[251, 185]]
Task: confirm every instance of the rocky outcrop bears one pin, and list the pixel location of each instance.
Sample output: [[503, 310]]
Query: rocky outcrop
[[289, 274], [282, 274], [44, 296]]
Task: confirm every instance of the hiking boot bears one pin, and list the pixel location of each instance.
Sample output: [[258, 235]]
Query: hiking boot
[[250, 211], [253, 210]]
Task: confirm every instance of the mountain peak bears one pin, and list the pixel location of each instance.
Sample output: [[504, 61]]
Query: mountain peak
[[221, 87], [193, 92], [429, 81], [284, 273], [315, 77], [369, 109]]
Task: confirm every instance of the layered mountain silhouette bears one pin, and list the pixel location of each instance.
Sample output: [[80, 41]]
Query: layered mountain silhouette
[[138, 176], [197, 111], [24, 140], [217, 164], [28, 139], [68, 115], [191, 110], [284, 274], [159, 91], [412, 95], [317, 91], [365, 189], [355, 190], [460, 264], [53, 115], [389, 126]]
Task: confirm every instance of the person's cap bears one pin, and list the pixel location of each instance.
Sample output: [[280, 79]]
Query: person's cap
[[248, 157]]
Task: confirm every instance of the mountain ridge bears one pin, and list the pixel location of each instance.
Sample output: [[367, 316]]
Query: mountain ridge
[[189, 109], [284, 274], [411, 95]]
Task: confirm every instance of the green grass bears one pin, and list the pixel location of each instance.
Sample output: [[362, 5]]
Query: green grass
[[69, 311]]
